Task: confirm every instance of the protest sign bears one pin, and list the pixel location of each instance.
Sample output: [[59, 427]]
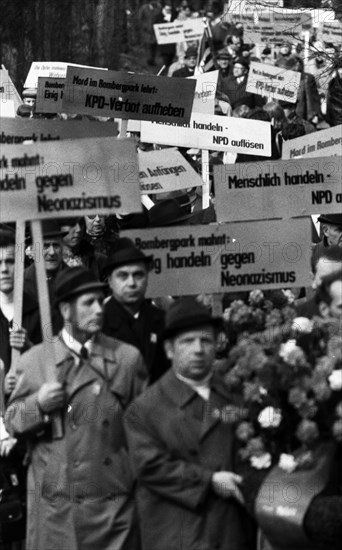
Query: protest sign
[[128, 95], [278, 189], [273, 26], [179, 31], [273, 82], [205, 91], [330, 31], [68, 178], [226, 257], [218, 133], [7, 109], [8, 91], [49, 69], [49, 95], [165, 170], [16, 131], [317, 144]]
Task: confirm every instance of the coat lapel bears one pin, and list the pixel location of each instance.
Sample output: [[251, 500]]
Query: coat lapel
[[217, 400]]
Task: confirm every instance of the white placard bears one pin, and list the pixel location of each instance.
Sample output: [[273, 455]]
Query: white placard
[[213, 132], [179, 31], [273, 82], [316, 144], [49, 69], [226, 257]]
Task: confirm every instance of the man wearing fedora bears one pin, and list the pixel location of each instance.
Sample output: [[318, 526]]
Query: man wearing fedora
[[80, 486], [182, 451], [128, 315]]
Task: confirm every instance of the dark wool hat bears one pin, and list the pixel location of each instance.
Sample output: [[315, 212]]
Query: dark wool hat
[[242, 61], [124, 252], [191, 52], [223, 54], [333, 219], [167, 212], [187, 314], [73, 281], [50, 230]]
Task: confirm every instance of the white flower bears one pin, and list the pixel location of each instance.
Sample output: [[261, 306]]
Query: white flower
[[269, 417], [3, 432], [289, 295], [287, 348], [261, 462], [302, 324], [226, 314], [335, 380], [287, 463]]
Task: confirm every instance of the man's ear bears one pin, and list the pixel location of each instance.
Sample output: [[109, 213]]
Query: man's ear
[[324, 310], [64, 308], [324, 229], [168, 347]]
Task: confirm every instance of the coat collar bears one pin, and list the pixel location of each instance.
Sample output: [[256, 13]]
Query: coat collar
[[182, 394]]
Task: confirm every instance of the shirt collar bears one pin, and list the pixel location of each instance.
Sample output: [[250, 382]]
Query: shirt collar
[[73, 345], [202, 387]]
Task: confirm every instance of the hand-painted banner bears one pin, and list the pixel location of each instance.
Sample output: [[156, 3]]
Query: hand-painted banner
[[317, 144], [218, 133], [278, 189], [128, 95], [226, 257], [68, 178], [49, 69], [273, 82], [49, 95], [164, 171], [17, 131], [179, 31]]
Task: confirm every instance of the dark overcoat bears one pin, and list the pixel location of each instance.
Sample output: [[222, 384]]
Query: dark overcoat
[[144, 333], [79, 486], [175, 447]]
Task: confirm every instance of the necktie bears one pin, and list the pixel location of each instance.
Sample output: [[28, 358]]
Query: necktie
[[84, 353]]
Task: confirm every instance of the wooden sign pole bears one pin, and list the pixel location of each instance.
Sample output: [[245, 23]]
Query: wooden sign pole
[[45, 318], [18, 285], [206, 179]]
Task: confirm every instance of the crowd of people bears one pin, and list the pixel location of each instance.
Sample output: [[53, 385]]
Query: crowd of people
[[121, 448]]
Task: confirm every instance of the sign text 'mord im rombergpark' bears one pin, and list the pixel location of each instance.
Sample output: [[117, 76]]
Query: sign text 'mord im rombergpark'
[[68, 178], [126, 95]]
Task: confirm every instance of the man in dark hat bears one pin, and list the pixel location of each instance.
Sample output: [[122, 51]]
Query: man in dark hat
[[80, 487], [329, 296], [236, 83], [128, 315], [181, 449], [53, 260], [331, 231], [190, 61]]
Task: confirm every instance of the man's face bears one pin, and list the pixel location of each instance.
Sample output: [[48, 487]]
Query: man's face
[[239, 70], [7, 256], [128, 283], [333, 234], [336, 300], [52, 254], [95, 225], [324, 267], [192, 352], [191, 61], [85, 314], [74, 235], [235, 43], [223, 63], [334, 309], [30, 101]]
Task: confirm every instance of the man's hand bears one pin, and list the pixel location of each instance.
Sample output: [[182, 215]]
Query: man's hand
[[18, 339], [226, 485], [10, 382], [51, 396], [6, 445]]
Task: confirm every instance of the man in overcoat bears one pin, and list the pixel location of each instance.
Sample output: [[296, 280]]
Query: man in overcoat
[[181, 449], [79, 483], [128, 315]]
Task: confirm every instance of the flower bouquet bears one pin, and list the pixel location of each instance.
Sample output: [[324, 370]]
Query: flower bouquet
[[287, 372]]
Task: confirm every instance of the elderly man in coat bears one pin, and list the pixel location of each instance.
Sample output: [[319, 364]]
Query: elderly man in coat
[[79, 483], [182, 452]]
